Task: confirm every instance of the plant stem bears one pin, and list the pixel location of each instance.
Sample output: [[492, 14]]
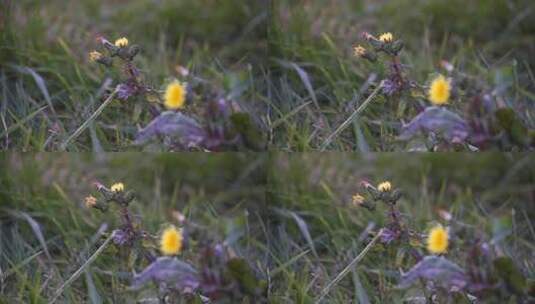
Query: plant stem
[[348, 268], [78, 272], [86, 123], [350, 119]]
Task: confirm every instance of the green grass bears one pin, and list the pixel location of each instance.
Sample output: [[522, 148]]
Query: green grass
[[44, 62], [316, 231], [222, 196], [316, 82]]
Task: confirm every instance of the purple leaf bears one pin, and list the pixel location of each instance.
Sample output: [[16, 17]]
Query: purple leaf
[[439, 120], [389, 235], [174, 126], [121, 237], [171, 271], [125, 90], [437, 269]]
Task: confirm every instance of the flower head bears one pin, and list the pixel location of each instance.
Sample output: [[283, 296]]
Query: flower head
[[175, 95], [171, 241], [359, 51], [386, 37], [121, 42], [384, 187], [90, 201], [358, 199], [437, 240], [117, 187], [439, 91], [94, 56]]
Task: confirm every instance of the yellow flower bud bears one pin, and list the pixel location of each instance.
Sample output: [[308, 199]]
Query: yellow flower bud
[[121, 42]]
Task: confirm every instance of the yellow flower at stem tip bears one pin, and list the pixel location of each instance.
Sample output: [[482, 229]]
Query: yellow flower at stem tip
[[386, 37], [171, 241], [358, 199], [437, 240], [439, 91], [175, 95], [90, 201], [117, 187], [359, 51], [384, 187], [94, 56], [121, 42]]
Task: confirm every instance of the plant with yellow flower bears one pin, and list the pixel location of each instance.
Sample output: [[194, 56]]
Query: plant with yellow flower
[[396, 80]]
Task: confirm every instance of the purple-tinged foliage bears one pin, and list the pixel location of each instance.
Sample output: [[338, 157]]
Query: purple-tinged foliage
[[440, 270], [120, 237], [389, 235], [440, 121], [170, 272], [174, 127], [125, 91]]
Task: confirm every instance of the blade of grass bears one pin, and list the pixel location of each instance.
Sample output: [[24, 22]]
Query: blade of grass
[[348, 268], [294, 259], [303, 75], [22, 122], [86, 123], [303, 227], [36, 228], [78, 272], [351, 118], [40, 84]]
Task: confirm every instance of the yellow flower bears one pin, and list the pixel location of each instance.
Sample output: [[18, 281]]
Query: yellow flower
[[439, 91], [384, 187], [171, 241], [117, 187], [121, 42], [386, 37], [437, 240], [175, 95], [94, 56], [358, 199], [359, 51], [90, 201]]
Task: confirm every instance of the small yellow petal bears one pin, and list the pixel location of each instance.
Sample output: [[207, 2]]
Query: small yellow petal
[[121, 42], [171, 241], [386, 37], [117, 187], [384, 187]]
